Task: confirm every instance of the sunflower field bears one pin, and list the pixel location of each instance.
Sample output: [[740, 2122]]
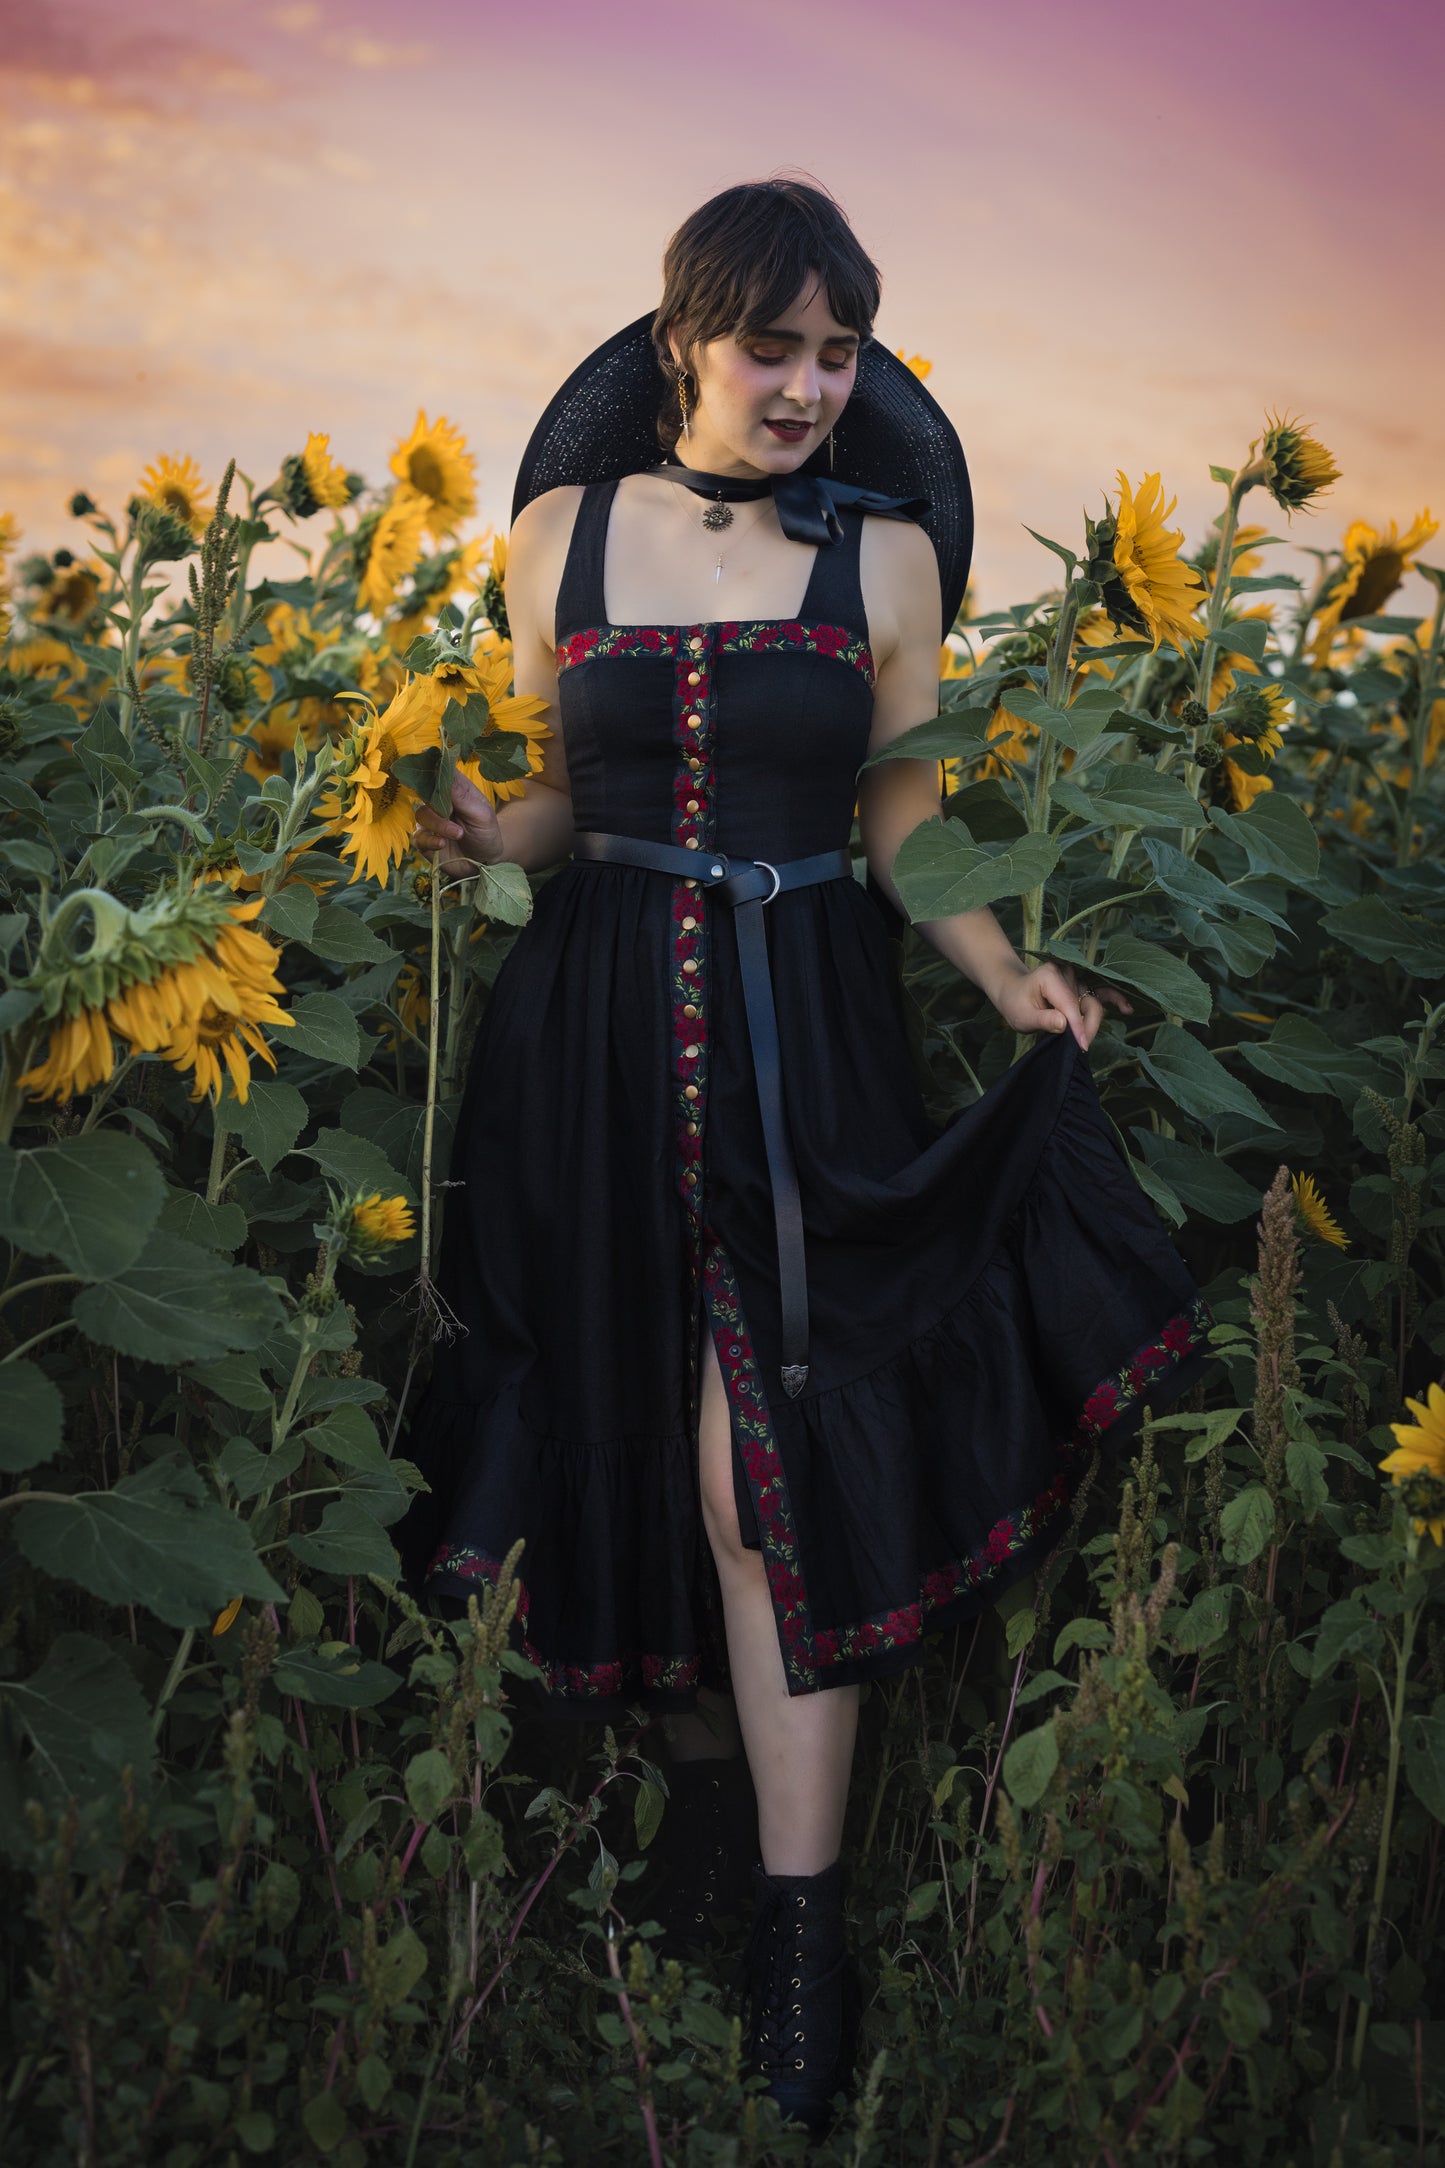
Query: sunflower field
[[1145, 1865]]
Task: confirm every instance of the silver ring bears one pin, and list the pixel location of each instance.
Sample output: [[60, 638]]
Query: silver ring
[[777, 878]]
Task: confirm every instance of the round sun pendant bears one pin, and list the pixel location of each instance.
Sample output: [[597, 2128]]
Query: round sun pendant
[[717, 516]]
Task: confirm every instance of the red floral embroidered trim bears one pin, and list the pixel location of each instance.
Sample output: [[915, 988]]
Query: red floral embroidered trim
[[611, 1678], [754, 637], [753, 1428]]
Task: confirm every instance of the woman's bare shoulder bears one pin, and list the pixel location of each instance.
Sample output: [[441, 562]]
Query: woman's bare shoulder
[[544, 517], [898, 569]]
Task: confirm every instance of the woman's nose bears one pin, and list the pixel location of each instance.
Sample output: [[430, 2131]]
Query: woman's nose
[[803, 386]]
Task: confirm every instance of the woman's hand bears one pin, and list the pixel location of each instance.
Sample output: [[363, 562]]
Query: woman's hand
[[1054, 997], [471, 838]]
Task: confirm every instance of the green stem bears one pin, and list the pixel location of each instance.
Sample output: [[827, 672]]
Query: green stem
[[48, 1334], [173, 1678], [1420, 731], [44, 1279], [219, 1134], [432, 1046], [130, 645], [1396, 1714]]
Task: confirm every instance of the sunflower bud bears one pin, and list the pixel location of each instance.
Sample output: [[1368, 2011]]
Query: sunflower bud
[[235, 685], [37, 573], [1248, 712], [81, 505], [1193, 716], [368, 1226], [494, 604], [159, 535], [11, 734], [1423, 1497], [1293, 466]]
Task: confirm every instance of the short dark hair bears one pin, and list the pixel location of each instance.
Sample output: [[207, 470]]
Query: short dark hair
[[741, 258]]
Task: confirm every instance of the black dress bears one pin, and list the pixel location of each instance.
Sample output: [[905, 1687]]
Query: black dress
[[988, 1302]]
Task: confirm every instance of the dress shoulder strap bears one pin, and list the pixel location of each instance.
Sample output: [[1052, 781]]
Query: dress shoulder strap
[[580, 600], [835, 589]]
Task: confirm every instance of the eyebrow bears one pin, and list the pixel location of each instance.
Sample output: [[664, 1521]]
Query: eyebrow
[[795, 338]]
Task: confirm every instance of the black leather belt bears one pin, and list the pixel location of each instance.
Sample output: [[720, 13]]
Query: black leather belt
[[748, 885]]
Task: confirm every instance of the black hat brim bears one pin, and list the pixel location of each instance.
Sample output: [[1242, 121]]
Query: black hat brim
[[892, 436]]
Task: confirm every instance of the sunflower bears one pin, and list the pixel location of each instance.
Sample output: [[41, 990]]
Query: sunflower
[[175, 486], [1155, 591], [1372, 566], [326, 478], [411, 999], [268, 741], [915, 362], [1011, 738], [79, 1057], [520, 712], [377, 1221], [1267, 707], [395, 545], [215, 1036], [161, 972], [1095, 630], [434, 583], [1315, 1213], [434, 464], [9, 537], [368, 804], [1418, 1461], [1293, 466]]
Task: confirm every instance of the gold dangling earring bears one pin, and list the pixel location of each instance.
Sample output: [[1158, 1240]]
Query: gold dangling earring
[[682, 402]]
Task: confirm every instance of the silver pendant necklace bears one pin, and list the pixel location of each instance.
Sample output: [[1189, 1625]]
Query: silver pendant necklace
[[718, 516]]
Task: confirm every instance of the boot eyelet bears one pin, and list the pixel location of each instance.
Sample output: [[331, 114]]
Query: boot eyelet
[[798, 2064]]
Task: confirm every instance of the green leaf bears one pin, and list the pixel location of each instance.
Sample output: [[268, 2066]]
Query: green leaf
[[647, 1809], [504, 893], [1029, 1765], [348, 1541], [1243, 2011], [269, 1123], [1079, 725], [214, 1226], [237, 1380], [1197, 1080], [249, 1471], [323, 2116], [1057, 547], [398, 1127], [158, 1539], [403, 1962], [1245, 636], [357, 1163], [1222, 474], [1118, 2032], [1201, 1181], [954, 732], [1345, 1630], [1299, 1054], [178, 1304], [89, 1201], [1247, 1524], [1375, 929], [938, 871], [1275, 833], [1081, 1633], [1188, 882], [31, 1417], [339, 936], [335, 1678], [373, 2081], [483, 1847], [430, 1783], [922, 1899], [86, 1719], [1424, 1739], [1133, 794], [347, 1435], [1206, 1620], [325, 1028], [291, 912], [1158, 973], [255, 2130], [704, 2023], [1305, 1464], [1020, 1631]]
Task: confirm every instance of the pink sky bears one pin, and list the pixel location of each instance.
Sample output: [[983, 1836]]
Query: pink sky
[[1120, 232]]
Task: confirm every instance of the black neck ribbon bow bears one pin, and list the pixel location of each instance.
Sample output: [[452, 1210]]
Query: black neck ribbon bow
[[807, 503]]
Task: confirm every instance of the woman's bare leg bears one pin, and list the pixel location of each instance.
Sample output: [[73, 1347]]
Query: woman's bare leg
[[799, 1747]]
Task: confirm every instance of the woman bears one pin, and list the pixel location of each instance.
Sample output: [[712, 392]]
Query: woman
[[772, 1377]]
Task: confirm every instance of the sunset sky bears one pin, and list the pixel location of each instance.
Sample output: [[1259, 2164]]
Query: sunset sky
[[1121, 232]]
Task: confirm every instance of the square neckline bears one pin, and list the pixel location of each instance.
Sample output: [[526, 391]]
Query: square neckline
[[704, 624]]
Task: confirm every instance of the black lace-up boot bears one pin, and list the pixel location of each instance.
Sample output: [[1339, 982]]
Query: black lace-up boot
[[699, 1879], [802, 1992]]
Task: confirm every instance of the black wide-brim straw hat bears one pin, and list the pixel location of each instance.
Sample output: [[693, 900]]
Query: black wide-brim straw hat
[[892, 437]]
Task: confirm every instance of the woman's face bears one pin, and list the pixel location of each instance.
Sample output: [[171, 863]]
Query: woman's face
[[762, 404]]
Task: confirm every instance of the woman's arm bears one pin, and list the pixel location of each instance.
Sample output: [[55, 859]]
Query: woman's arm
[[535, 830], [904, 607]]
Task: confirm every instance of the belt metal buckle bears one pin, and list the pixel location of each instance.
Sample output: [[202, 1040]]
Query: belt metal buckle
[[764, 866]]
